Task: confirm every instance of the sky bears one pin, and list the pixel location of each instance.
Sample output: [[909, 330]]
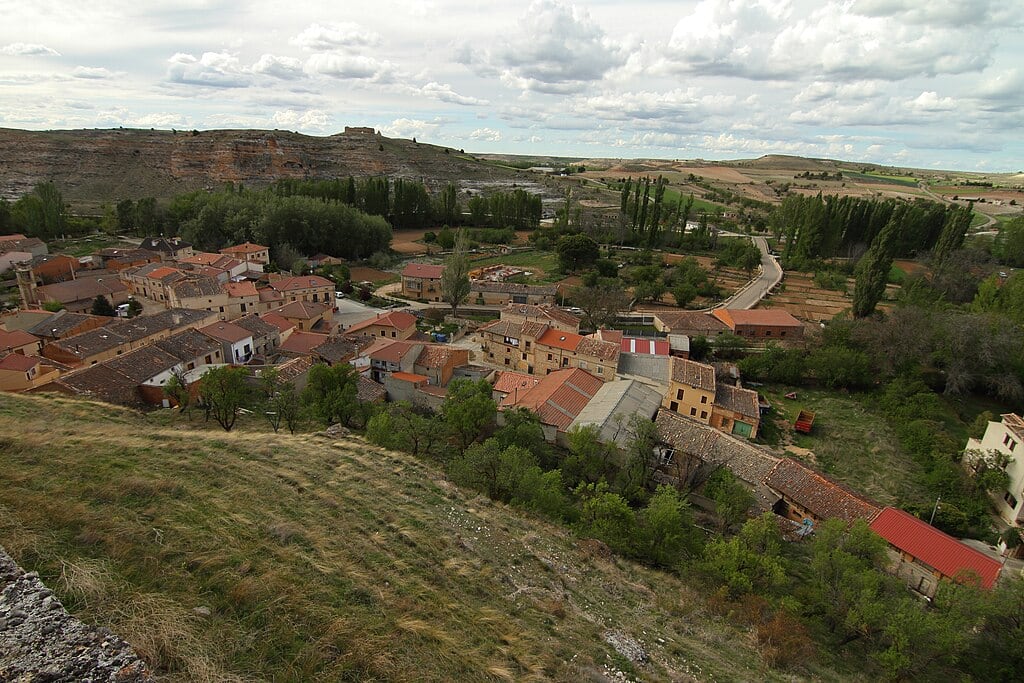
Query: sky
[[916, 83]]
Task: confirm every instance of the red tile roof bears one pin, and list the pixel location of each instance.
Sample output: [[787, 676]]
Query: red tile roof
[[226, 331], [286, 284], [302, 310], [932, 547], [303, 342], [244, 248], [559, 339], [424, 270], [819, 495], [390, 353], [18, 363], [693, 374], [508, 382], [771, 317], [559, 397], [162, 272], [410, 377], [279, 321], [656, 347], [240, 289], [400, 320], [15, 339]]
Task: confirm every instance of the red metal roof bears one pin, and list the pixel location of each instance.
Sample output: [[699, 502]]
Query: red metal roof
[[934, 548], [560, 339], [410, 377], [656, 347]]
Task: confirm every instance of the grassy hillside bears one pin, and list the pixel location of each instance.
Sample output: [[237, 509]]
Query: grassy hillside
[[251, 556]]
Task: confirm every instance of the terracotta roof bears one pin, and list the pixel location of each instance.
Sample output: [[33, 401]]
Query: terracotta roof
[[512, 288], [747, 461], [742, 401], [143, 364], [651, 346], [16, 338], [293, 368], [602, 350], [687, 321], [369, 391], [103, 383], [773, 317], [435, 356], [286, 284], [337, 350], [279, 321], [424, 270], [409, 377], [205, 258], [433, 390], [16, 362], [197, 287], [531, 311], [82, 289], [390, 353], [302, 310], [302, 342], [559, 397], [258, 326], [822, 497], [932, 547], [693, 374], [240, 289], [267, 294], [608, 335], [503, 328], [508, 382], [400, 320], [188, 344], [161, 272], [560, 339], [226, 331], [243, 248]]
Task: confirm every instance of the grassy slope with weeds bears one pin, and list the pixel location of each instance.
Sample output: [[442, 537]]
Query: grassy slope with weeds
[[323, 560]]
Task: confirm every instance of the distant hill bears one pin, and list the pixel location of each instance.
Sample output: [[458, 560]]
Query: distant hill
[[92, 166], [254, 556]]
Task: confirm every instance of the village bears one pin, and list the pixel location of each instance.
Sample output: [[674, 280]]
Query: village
[[178, 313]]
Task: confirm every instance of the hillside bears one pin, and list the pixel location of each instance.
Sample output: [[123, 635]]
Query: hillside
[[91, 166], [249, 556]]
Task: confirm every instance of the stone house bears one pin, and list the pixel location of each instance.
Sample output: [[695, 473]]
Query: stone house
[[422, 281], [1006, 438]]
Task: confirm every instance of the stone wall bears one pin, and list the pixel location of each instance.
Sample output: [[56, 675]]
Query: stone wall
[[40, 641]]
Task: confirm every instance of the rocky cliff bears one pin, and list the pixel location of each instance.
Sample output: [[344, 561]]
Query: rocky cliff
[[39, 641], [92, 166]]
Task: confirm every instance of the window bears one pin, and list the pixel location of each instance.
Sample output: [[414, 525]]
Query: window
[[1010, 499], [393, 333], [782, 334], [315, 296], [383, 333], [600, 370], [209, 360], [243, 308], [1009, 443], [549, 356], [693, 412], [679, 394], [524, 356], [666, 456], [703, 414], [703, 399], [221, 309], [767, 333], [565, 362], [506, 361], [247, 348], [527, 345], [192, 366], [674, 407], [583, 365]]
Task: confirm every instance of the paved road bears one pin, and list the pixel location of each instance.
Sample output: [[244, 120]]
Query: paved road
[[756, 289]]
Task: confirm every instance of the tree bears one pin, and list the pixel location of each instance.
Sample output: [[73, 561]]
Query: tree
[[590, 459], [607, 517], [177, 391], [331, 394], [448, 210], [455, 277], [601, 302], [224, 392], [666, 529], [405, 427], [101, 306], [732, 499], [281, 401], [134, 308], [576, 251], [749, 562], [468, 410], [873, 269]]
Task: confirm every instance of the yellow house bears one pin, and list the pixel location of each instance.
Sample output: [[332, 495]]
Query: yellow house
[[20, 373], [691, 389]]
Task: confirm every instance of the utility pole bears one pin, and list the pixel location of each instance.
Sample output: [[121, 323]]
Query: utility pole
[[934, 509]]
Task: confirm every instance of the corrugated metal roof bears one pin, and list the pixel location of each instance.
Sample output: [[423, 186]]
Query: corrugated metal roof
[[934, 548], [656, 347], [615, 404]]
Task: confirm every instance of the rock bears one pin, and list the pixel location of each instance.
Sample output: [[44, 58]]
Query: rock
[[202, 611], [626, 646], [335, 431]]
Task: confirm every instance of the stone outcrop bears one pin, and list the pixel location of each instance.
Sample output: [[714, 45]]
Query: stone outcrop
[[104, 165], [40, 641]]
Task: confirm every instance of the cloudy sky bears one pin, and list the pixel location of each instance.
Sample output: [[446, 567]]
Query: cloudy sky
[[929, 83]]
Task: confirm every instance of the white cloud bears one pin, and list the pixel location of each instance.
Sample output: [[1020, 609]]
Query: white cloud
[[335, 36], [214, 69], [486, 135], [444, 93], [348, 66], [28, 49], [306, 120], [286, 68], [91, 72], [408, 128]]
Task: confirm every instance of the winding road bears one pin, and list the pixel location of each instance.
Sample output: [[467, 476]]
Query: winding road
[[758, 288]]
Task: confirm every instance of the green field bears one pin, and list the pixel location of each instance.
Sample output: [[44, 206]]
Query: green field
[[543, 264], [876, 177]]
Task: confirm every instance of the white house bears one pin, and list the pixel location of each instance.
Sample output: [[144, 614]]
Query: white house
[[1007, 438]]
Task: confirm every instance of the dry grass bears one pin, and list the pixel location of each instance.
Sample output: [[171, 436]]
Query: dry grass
[[323, 562]]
